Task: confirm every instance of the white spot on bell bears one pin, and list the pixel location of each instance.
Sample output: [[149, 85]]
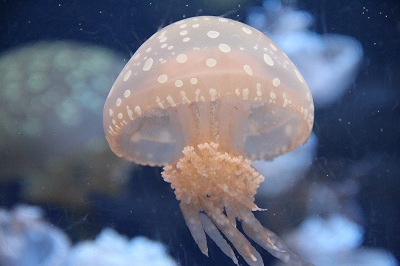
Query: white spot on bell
[[276, 82], [178, 83], [299, 75], [130, 113], [247, 30], [248, 70], [162, 78], [162, 34], [213, 34], [211, 62], [259, 93], [224, 48], [272, 95], [181, 58], [197, 93], [138, 110], [213, 94], [193, 81], [170, 100], [127, 75], [148, 64], [184, 98], [245, 94], [285, 100], [308, 96], [118, 102], [127, 93], [158, 101], [268, 60]]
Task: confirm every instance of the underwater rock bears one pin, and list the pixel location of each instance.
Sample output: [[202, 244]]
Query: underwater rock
[[112, 249], [336, 242], [27, 240]]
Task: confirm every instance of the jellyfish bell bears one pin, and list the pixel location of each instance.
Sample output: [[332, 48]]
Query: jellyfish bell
[[203, 97]]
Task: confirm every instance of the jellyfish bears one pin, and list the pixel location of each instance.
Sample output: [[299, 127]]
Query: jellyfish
[[328, 62], [204, 97], [50, 121]]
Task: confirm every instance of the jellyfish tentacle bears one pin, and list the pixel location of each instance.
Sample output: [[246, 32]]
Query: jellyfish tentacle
[[238, 240], [213, 232], [255, 229], [223, 186], [192, 219], [268, 240], [207, 179], [231, 212]]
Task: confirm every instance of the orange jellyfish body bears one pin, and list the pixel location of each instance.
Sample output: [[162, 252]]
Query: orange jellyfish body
[[203, 97]]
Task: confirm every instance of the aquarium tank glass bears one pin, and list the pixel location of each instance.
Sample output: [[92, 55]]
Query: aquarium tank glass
[[208, 132]]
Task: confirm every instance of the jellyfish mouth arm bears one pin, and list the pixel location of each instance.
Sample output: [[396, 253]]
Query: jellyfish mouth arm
[[216, 189], [268, 240], [192, 219]]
